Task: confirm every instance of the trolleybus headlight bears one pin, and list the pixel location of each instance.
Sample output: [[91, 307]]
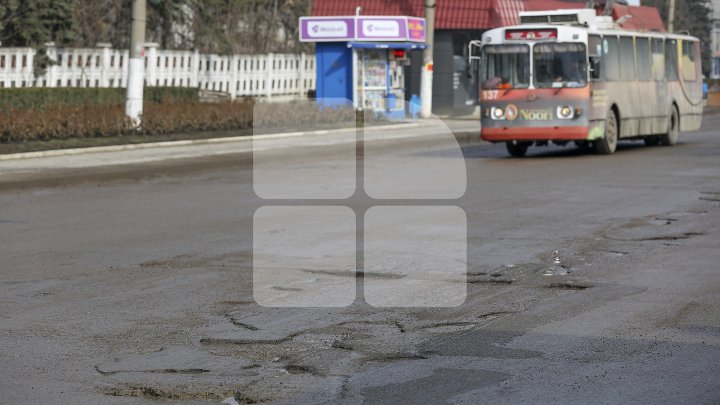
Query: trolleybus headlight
[[565, 113], [497, 113]]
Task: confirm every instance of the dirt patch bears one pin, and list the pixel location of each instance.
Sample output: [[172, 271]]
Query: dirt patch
[[179, 393]]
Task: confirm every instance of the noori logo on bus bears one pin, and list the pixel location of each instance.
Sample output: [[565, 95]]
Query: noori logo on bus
[[536, 115], [511, 112]]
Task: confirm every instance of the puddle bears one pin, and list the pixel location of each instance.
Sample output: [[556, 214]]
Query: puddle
[[555, 271], [557, 268]]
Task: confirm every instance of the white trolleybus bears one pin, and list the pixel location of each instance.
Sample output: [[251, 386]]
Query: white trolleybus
[[572, 76]]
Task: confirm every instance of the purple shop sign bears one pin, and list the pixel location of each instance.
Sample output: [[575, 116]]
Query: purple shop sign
[[382, 28], [324, 29], [362, 28]]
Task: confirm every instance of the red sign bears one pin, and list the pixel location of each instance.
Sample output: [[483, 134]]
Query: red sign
[[530, 35]]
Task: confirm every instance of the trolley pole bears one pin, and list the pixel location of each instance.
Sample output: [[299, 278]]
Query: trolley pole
[[136, 65], [426, 77], [671, 16]]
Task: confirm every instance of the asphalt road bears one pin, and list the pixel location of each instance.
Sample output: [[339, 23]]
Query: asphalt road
[[133, 284]]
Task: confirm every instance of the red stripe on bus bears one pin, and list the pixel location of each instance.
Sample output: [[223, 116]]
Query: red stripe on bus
[[534, 134]]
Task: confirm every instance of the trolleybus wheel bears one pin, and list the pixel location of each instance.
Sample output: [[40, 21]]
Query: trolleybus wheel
[[671, 137], [608, 145], [517, 149]]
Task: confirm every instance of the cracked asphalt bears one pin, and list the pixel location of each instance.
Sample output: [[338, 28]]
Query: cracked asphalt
[[133, 284]]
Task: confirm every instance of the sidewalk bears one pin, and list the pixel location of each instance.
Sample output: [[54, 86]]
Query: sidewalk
[[121, 155]]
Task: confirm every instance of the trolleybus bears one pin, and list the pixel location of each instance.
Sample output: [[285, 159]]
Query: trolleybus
[[572, 76]]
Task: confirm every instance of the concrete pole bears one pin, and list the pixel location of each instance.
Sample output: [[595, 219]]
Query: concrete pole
[[671, 16], [426, 77], [136, 65]]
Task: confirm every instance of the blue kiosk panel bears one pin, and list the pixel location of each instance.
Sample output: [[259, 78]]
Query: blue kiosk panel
[[334, 71]]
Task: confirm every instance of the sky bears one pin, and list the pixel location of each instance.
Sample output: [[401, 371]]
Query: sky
[[634, 2]]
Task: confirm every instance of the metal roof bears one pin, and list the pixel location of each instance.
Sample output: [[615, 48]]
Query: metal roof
[[480, 14], [450, 14]]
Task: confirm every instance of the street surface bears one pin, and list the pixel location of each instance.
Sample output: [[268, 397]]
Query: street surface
[[132, 284]]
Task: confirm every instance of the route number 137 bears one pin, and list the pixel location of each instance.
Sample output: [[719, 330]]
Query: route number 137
[[490, 94]]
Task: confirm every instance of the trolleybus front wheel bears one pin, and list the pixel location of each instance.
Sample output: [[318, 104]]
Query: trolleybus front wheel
[[608, 145], [517, 149], [671, 137]]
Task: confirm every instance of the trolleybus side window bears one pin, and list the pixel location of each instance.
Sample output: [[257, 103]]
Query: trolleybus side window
[[595, 56], [627, 59], [560, 65], [642, 50], [688, 62], [658, 59], [671, 60], [611, 62], [506, 66]]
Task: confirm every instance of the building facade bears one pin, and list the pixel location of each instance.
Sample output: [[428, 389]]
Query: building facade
[[715, 73]]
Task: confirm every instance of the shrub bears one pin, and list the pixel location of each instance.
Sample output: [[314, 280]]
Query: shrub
[[46, 98], [72, 121]]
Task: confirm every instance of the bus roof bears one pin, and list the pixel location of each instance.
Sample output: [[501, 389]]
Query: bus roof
[[579, 21]]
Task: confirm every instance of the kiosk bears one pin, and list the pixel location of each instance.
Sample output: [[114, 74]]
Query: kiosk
[[363, 59]]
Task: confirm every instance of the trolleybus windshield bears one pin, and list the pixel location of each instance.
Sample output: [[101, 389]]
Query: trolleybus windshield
[[506, 67], [560, 65]]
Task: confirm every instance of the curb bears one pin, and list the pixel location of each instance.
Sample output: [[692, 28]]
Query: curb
[[209, 141]]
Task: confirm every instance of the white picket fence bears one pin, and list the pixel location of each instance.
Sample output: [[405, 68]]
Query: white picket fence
[[240, 75]]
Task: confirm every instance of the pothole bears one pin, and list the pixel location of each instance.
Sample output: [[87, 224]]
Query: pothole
[[713, 196], [240, 324], [296, 369], [569, 286], [491, 281], [671, 237]]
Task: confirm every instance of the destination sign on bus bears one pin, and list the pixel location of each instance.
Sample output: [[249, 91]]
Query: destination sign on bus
[[531, 35]]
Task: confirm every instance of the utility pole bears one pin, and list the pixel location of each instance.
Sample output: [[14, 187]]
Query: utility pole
[[609, 4], [136, 64], [426, 77], [671, 16]]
